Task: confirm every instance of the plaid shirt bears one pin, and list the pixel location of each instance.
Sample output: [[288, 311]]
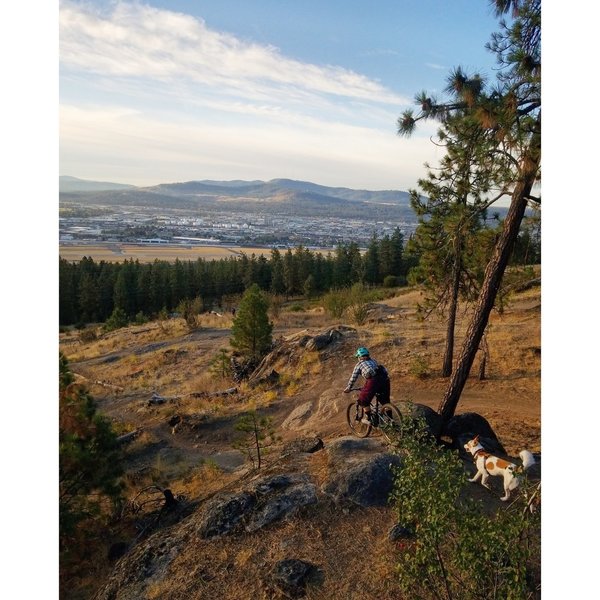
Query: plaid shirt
[[366, 368]]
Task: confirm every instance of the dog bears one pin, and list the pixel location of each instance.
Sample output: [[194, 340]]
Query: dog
[[487, 464]]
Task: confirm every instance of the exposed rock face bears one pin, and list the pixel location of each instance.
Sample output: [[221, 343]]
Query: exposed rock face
[[144, 565], [222, 513], [318, 342], [359, 472], [299, 416], [290, 576], [268, 499], [306, 445]]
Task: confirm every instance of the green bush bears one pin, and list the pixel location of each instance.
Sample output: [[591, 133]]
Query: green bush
[[335, 303], [457, 549], [117, 319], [419, 367], [141, 318], [390, 281]]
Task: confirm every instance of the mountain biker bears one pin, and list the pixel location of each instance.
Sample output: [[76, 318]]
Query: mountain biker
[[377, 382]]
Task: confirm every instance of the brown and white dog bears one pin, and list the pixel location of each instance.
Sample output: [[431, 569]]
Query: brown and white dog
[[487, 464]]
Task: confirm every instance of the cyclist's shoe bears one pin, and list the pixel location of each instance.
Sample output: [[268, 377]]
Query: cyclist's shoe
[[366, 420]]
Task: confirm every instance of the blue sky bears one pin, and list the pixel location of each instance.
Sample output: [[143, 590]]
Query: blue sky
[[154, 92]]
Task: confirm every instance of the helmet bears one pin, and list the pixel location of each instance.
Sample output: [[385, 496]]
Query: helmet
[[362, 351]]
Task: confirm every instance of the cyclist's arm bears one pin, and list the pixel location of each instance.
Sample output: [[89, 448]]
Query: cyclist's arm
[[353, 377]]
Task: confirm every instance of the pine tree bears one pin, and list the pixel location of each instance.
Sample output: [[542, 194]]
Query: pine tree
[[506, 121], [89, 461], [251, 330]]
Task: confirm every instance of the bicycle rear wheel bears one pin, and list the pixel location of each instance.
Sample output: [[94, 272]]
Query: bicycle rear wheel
[[389, 421], [354, 415]]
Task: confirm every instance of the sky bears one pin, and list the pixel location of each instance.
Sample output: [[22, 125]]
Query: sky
[[158, 92]]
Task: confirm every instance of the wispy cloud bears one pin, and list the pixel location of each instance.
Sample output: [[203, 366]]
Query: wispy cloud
[[136, 40], [436, 66]]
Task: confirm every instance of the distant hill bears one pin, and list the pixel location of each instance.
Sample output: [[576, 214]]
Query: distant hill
[[73, 184], [281, 196], [278, 196]]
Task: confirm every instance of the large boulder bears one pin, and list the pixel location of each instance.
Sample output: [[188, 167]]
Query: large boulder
[[464, 427], [415, 411], [318, 342], [360, 472]]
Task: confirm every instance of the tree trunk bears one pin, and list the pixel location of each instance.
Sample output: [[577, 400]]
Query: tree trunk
[[449, 351], [491, 282], [485, 353]]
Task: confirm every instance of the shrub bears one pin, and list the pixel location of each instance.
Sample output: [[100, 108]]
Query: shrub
[[88, 335], [141, 318], [455, 548], [335, 303], [117, 319], [391, 281], [189, 310], [419, 367], [359, 303], [296, 307]]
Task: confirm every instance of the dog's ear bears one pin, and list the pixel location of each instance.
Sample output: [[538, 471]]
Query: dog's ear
[[476, 438]]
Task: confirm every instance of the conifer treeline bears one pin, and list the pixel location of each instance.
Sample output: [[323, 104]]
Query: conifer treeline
[[89, 291]]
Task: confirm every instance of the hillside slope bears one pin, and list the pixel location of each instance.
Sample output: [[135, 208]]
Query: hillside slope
[[185, 443]]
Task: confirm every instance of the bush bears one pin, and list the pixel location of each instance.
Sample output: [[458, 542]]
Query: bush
[[141, 318], [88, 335], [189, 310], [419, 367], [117, 319], [335, 303], [359, 303], [455, 548], [390, 281]]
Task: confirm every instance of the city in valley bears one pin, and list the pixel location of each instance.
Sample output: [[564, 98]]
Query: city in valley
[[99, 225]]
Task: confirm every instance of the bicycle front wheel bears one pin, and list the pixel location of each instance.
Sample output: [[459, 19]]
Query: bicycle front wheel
[[354, 415]]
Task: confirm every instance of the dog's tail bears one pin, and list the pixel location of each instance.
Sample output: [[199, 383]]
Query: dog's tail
[[527, 458]]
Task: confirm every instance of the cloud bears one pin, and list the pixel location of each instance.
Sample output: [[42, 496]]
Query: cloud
[[436, 66], [140, 41]]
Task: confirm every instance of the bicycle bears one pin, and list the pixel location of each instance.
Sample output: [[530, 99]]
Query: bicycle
[[385, 418]]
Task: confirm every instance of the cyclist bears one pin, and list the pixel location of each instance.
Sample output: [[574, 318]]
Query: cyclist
[[377, 382]]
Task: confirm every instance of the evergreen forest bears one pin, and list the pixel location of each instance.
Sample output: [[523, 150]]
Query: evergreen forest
[[91, 291]]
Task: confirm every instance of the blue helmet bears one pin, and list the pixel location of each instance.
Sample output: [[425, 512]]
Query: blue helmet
[[361, 352]]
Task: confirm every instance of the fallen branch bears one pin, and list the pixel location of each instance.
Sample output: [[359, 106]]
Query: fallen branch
[[128, 437], [98, 382], [227, 392]]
